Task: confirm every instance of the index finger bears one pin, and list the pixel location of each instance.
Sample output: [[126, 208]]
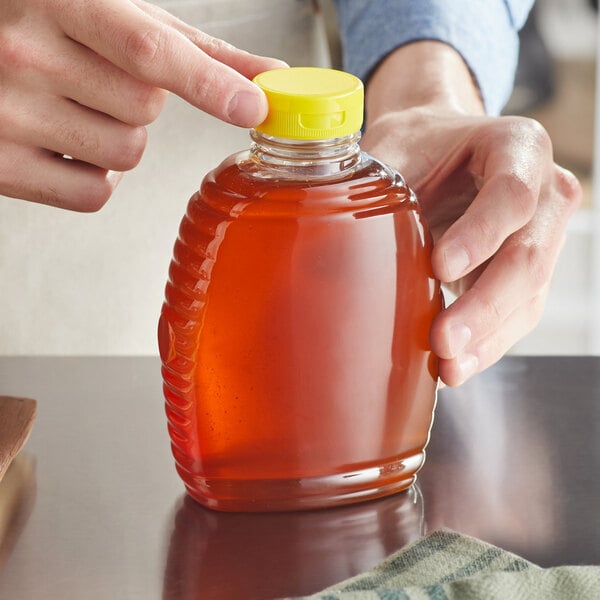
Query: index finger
[[157, 53]]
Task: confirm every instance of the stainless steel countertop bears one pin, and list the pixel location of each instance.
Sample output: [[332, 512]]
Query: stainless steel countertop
[[513, 459]]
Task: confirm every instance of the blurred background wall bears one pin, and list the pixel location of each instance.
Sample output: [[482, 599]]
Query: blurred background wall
[[80, 284], [77, 284], [556, 84]]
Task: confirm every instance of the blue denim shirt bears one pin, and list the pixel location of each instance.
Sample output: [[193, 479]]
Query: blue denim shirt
[[484, 32]]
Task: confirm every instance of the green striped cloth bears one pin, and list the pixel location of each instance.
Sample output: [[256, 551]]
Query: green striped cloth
[[445, 565]]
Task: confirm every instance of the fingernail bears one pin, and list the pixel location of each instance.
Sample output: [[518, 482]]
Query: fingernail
[[460, 336], [114, 178], [467, 365], [457, 260], [247, 109]]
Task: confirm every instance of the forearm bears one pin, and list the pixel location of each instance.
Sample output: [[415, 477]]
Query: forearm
[[485, 34], [424, 73]]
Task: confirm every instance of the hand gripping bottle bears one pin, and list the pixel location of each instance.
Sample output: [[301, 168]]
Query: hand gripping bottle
[[294, 335]]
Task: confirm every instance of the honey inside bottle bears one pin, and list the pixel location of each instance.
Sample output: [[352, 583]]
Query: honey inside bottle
[[295, 330]]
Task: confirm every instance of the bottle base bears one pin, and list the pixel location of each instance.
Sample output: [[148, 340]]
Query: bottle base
[[270, 495]]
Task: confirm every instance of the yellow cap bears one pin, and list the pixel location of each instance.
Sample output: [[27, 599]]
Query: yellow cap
[[311, 103]]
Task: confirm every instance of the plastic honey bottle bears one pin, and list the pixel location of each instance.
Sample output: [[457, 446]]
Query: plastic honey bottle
[[294, 335]]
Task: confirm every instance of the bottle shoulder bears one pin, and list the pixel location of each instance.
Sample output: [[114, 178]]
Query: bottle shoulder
[[240, 184]]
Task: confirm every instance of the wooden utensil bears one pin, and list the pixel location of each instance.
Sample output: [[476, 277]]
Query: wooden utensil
[[16, 419], [17, 497]]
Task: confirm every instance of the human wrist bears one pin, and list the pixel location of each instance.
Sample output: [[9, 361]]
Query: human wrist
[[422, 74]]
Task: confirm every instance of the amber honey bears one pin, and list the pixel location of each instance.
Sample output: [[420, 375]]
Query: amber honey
[[295, 338]]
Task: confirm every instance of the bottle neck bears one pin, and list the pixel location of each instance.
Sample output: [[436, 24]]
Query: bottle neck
[[304, 159]]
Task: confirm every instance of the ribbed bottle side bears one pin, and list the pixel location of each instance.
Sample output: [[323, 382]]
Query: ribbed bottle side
[[182, 315]]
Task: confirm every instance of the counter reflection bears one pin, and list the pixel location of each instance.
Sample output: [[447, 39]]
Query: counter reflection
[[494, 465], [219, 556]]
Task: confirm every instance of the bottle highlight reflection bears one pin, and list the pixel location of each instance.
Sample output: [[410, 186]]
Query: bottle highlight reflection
[[220, 556]]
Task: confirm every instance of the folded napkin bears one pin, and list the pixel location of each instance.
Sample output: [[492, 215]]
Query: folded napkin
[[446, 565]]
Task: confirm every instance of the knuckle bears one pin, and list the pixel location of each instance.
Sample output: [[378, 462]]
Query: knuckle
[[143, 47], [533, 260], [207, 43], [207, 89], [50, 197], [15, 51], [123, 153], [535, 309], [539, 268], [214, 46], [199, 87], [87, 198], [485, 231], [569, 187], [532, 133], [96, 196], [129, 149], [76, 140], [148, 105], [490, 308]]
